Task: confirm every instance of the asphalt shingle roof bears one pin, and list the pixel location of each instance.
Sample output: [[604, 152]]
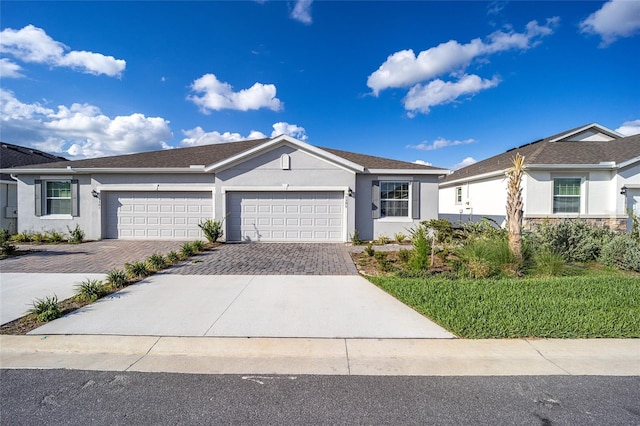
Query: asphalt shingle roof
[[15, 156], [210, 154], [545, 151]]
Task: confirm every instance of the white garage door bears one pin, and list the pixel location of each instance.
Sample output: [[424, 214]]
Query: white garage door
[[285, 216], [156, 215]]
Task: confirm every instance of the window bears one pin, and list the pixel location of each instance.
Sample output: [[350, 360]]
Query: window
[[566, 195], [458, 195], [58, 197], [394, 199]]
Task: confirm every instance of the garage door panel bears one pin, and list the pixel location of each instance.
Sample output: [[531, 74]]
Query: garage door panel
[[156, 215], [285, 216]]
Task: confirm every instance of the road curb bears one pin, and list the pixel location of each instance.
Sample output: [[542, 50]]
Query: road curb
[[414, 357]]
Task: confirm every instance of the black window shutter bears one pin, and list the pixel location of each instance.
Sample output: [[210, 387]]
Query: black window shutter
[[38, 196], [415, 199], [75, 207], [375, 199]]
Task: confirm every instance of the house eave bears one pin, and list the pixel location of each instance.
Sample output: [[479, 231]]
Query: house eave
[[106, 170], [488, 175], [438, 172], [601, 128], [608, 165]]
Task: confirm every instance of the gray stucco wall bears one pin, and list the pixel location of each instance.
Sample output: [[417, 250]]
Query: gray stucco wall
[[370, 229], [8, 203]]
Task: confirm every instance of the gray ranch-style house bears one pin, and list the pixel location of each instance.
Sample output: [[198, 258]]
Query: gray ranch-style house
[[276, 189]]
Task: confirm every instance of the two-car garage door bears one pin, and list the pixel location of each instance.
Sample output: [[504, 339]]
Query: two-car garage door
[[252, 216], [156, 215], [285, 216]]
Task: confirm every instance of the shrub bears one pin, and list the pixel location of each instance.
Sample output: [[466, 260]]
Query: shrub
[[383, 261], [369, 250], [574, 240], [156, 262], [212, 229], [39, 237], [6, 248], [403, 255], [622, 252], [56, 237], [400, 237], [198, 246], [383, 239], [46, 309], [76, 235], [173, 257], [187, 250], [442, 229], [485, 229], [137, 269], [486, 258], [90, 291], [355, 238], [420, 255], [22, 237], [117, 278]]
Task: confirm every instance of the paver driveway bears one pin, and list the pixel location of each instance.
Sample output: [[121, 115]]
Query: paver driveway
[[271, 259]]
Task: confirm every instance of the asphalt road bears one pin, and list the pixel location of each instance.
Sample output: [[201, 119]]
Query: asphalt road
[[57, 397]]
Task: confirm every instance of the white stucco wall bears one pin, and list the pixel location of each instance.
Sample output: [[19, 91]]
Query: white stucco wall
[[483, 198]]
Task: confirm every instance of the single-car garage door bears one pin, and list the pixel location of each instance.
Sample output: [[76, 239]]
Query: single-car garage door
[[156, 215], [285, 216]]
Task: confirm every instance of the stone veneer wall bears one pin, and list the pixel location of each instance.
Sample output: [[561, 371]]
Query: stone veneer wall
[[615, 224]]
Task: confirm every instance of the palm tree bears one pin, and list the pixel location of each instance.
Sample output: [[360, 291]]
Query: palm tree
[[514, 206]]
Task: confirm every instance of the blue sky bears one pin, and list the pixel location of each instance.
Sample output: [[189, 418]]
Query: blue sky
[[444, 83]]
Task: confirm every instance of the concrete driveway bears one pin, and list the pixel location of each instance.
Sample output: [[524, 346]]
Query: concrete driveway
[[239, 290]]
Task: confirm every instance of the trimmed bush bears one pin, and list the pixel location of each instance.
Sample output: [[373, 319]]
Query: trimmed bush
[[574, 240], [622, 252]]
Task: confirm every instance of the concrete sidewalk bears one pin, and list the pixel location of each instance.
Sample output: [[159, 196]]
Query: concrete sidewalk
[[261, 356]]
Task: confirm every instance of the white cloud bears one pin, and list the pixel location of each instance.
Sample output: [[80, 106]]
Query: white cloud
[[80, 130], [292, 130], [615, 19], [404, 68], [197, 136], [421, 98], [423, 163], [302, 11], [629, 128], [464, 163], [32, 44], [440, 143], [9, 69], [217, 95]]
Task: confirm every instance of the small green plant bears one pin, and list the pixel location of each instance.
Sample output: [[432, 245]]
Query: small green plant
[[46, 309], [420, 256], [117, 278], [212, 229], [137, 269], [39, 238], [404, 255], [187, 250], [548, 263], [198, 246], [369, 250], [482, 258], [156, 262], [6, 248], [56, 237], [173, 257], [383, 261], [90, 291], [383, 239], [355, 238], [76, 235], [22, 237], [400, 237]]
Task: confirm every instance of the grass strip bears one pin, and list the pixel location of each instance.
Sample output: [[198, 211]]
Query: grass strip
[[603, 305]]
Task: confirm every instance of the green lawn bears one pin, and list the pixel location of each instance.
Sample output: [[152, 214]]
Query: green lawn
[[604, 304]]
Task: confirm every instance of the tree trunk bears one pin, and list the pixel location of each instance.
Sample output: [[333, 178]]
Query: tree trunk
[[514, 206]]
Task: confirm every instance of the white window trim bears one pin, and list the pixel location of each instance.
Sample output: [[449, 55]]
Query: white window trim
[[48, 215], [583, 194], [455, 194], [406, 218]]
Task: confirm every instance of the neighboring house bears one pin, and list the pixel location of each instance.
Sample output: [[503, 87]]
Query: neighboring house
[[13, 156], [278, 189], [589, 172]]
